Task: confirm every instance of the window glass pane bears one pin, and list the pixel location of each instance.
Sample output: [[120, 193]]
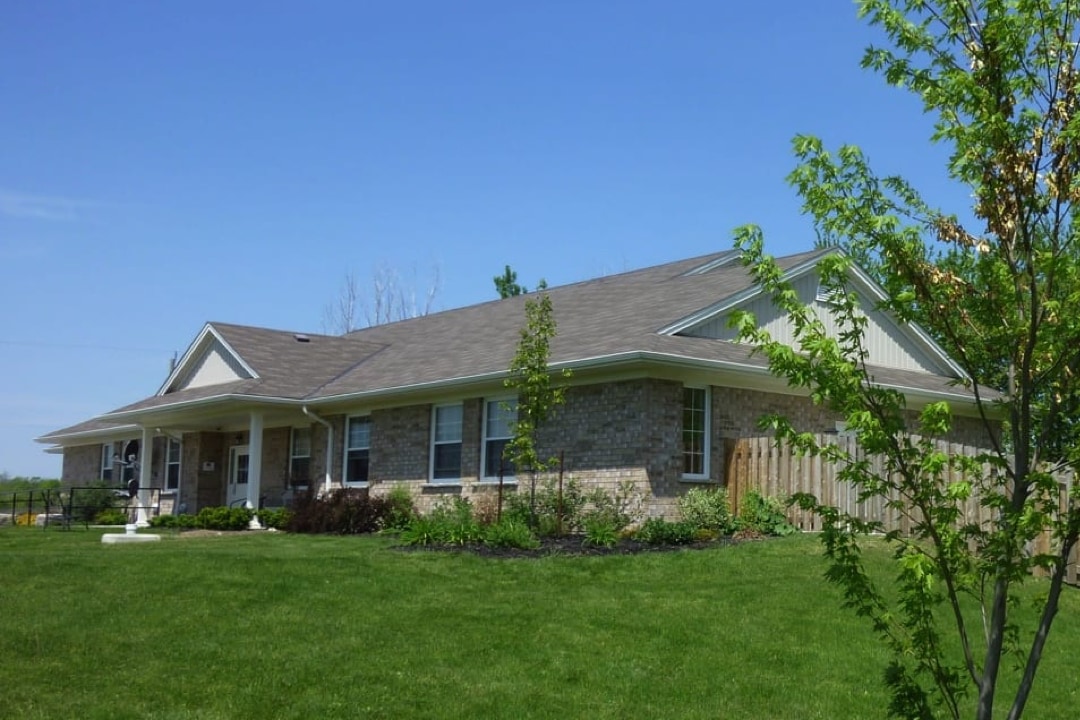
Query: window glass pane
[[359, 432], [172, 476], [448, 424], [106, 461], [447, 461], [493, 458], [173, 451], [300, 470], [501, 415], [356, 466], [694, 429], [301, 442]]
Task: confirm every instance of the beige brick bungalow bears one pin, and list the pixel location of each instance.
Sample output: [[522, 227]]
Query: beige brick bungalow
[[659, 390]]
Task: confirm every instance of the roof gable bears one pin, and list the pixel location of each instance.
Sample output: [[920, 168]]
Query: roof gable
[[209, 360], [890, 343]]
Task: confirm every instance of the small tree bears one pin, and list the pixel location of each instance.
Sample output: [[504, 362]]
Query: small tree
[[507, 285], [1001, 78], [537, 396]]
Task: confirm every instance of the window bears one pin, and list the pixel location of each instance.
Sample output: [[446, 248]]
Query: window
[[357, 450], [300, 456], [172, 465], [499, 418], [446, 443], [106, 462], [696, 433]]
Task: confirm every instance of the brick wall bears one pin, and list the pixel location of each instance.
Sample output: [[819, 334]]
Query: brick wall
[[82, 466]]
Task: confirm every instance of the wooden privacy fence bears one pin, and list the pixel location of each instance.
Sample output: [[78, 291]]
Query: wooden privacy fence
[[775, 469]]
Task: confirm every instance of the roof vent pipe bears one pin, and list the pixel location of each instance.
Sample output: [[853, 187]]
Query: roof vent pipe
[[329, 444]]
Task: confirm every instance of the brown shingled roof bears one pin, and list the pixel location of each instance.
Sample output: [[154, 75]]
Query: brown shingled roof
[[617, 315]]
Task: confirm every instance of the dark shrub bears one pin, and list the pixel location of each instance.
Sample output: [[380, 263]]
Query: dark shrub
[[346, 511], [182, 521]]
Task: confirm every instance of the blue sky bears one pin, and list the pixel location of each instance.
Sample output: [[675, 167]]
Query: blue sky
[[170, 163]]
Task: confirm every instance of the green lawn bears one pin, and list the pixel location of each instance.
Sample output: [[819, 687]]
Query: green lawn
[[277, 626]]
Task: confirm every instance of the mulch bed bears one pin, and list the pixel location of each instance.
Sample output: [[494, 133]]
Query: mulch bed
[[572, 546]]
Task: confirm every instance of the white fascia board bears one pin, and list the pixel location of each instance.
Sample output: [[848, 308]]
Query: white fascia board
[[201, 402], [192, 352], [718, 308], [120, 432]]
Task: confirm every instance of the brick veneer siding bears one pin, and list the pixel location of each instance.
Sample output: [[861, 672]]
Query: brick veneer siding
[[399, 444], [82, 466]]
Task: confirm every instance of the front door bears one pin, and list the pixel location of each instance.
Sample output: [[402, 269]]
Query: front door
[[238, 476]]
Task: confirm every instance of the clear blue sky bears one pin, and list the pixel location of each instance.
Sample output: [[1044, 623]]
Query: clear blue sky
[[169, 163]]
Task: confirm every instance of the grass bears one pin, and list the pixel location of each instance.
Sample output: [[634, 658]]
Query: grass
[[277, 626]]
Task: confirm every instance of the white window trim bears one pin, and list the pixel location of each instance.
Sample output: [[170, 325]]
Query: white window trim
[[108, 452], [294, 456], [706, 460], [345, 452], [432, 480], [484, 478], [179, 466]]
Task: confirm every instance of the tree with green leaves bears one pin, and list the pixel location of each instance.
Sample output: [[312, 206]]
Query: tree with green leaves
[[507, 285], [1000, 295], [537, 395]]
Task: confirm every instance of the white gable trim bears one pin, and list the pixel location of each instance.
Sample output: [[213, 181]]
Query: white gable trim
[[195, 352], [713, 264], [865, 283]]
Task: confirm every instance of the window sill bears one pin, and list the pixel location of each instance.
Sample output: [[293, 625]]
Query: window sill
[[437, 485], [698, 480], [495, 482], [350, 485]]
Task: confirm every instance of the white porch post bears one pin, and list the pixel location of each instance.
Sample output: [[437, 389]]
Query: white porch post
[[146, 465], [254, 486]]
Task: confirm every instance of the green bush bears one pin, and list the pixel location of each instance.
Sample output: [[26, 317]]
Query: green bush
[[707, 509], [224, 518], [276, 518], [657, 531], [400, 509], [764, 515], [600, 532], [511, 534], [87, 503], [450, 523], [547, 513], [183, 521], [112, 516]]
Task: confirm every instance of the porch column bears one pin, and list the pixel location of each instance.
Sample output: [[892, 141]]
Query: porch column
[[255, 443], [146, 465]]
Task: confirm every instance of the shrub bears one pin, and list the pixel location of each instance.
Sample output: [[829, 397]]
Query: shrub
[[182, 521], [346, 511], [657, 531], [88, 503], [548, 514], [765, 515], [224, 518], [707, 509], [400, 509], [112, 516], [450, 523], [600, 532], [619, 510], [511, 534], [276, 518]]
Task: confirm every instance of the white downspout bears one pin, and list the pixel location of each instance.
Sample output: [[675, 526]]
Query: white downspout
[[329, 443]]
